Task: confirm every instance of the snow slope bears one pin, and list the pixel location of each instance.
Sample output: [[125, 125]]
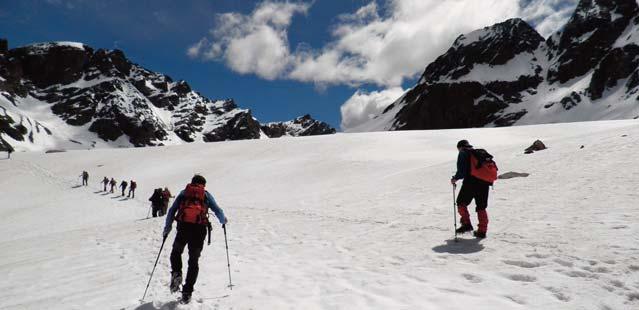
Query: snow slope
[[364, 221]]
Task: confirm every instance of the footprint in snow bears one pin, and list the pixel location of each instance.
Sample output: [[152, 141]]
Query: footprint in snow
[[516, 299], [521, 278], [522, 264], [472, 278], [558, 293]]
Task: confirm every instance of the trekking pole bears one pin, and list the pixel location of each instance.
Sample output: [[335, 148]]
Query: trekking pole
[[152, 271], [455, 212], [149, 213], [227, 256]]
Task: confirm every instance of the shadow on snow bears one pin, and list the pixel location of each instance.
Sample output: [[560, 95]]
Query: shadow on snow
[[464, 246], [150, 306]]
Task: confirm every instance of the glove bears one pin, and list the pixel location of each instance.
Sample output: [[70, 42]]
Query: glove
[[453, 181], [166, 232]]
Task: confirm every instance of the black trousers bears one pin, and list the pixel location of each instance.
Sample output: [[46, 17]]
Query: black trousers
[[473, 188], [192, 235], [157, 210]]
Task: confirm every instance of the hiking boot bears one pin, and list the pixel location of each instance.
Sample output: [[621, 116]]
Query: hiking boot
[[186, 297], [479, 234], [464, 228], [176, 281]]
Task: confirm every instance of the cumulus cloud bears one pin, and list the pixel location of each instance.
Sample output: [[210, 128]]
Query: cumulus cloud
[[363, 106], [255, 43]]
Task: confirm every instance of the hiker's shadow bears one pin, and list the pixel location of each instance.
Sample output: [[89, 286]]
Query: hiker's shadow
[[76, 186], [464, 246], [150, 306]]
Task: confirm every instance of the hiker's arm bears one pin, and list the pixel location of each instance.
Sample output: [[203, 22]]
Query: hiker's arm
[[170, 214], [462, 166], [210, 201]]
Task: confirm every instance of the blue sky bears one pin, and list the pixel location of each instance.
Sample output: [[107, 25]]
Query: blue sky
[[281, 59]]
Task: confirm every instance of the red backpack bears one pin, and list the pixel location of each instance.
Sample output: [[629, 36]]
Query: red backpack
[[482, 166], [193, 209]]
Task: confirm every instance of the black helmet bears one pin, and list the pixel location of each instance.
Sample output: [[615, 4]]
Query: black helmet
[[464, 144], [198, 179]]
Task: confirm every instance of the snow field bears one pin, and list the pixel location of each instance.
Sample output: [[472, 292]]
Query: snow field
[[348, 221]]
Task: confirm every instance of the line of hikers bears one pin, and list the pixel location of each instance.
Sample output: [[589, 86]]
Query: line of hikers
[[123, 186]]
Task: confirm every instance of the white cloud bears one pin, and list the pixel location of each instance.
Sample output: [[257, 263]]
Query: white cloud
[[377, 44], [548, 16], [255, 43], [363, 106]]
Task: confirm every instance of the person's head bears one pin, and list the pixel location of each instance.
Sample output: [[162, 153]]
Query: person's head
[[166, 189], [199, 180], [463, 144]]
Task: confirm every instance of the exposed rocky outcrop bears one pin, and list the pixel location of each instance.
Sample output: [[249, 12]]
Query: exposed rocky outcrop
[[301, 126]]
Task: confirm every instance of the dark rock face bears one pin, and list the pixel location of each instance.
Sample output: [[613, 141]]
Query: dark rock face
[[301, 126], [48, 64], [619, 64], [588, 36], [457, 105], [113, 98], [241, 126], [4, 46]]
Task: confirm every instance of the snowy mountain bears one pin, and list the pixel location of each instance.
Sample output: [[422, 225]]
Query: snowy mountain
[[364, 221], [68, 95], [301, 126], [507, 74]]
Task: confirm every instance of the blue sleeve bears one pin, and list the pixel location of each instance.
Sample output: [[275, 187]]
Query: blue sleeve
[[210, 201], [170, 214], [462, 166]]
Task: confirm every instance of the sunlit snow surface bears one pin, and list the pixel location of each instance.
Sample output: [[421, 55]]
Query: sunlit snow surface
[[347, 221]]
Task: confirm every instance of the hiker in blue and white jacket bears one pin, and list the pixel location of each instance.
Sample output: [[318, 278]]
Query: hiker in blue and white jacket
[[190, 210]]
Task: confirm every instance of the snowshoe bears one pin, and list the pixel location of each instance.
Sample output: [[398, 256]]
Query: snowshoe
[[176, 281], [464, 229], [479, 234]]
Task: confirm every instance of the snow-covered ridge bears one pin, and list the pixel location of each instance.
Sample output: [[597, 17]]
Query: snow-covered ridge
[[507, 74], [88, 98]]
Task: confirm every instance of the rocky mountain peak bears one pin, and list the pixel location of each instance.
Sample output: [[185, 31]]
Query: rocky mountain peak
[[494, 45]]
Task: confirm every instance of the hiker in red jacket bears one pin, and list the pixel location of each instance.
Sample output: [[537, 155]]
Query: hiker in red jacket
[[477, 178]]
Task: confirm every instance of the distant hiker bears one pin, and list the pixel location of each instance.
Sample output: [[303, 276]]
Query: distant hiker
[[191, 205], [85, 178], [113, 183], [156, 202], [123, 186], [166, 197], [478, 171], [105, 181], [132, 187], [9, 151]]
